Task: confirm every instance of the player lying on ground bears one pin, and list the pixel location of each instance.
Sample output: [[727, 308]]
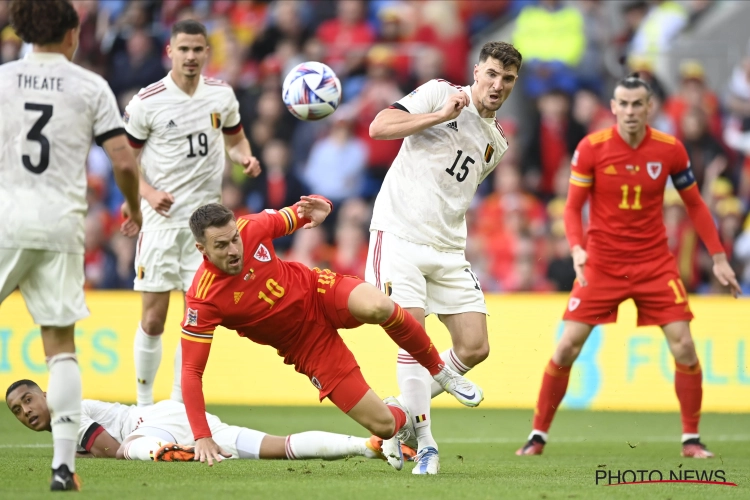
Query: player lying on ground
[[452, 142], [624, 170], [243, 286], [161, 432]]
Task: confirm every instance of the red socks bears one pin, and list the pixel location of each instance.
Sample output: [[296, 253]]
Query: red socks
[[554, 385], [689, 389], [399, 416], [411, 337]]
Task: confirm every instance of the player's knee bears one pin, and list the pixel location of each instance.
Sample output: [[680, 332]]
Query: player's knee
[[152, 324], [474, 354], [379, 309], [567, 353]]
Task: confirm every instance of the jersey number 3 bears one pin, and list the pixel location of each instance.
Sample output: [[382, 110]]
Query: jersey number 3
[[35, 134], [461, 176]]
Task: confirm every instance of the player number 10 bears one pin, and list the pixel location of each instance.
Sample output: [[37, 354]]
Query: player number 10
[[636, 201], [275, 289]]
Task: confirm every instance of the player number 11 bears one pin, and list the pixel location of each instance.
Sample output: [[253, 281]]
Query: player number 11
[[636, 201]]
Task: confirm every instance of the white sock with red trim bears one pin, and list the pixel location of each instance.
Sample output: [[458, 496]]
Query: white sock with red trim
[[325, 445], [450, 359], [146, 357], [142, 448], [414, 381]]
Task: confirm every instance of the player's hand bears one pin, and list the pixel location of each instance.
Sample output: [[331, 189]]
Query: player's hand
[[314, 209], [251, 166], [206, 450], [453, 107], [131, 226], [725, 274], [160, 201], [579, 261]]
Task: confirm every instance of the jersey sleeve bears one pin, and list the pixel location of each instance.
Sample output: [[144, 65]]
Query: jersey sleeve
[[427, 98], [582, 165], [201, 317], [278, 223], [680, 170], [232, 117], [136, 122], [581, 180], [107, 120], [89, 428]]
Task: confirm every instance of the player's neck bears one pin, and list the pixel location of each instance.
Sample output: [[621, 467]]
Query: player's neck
[[187, 84], [481, 110], [53, 48], [632, 140]]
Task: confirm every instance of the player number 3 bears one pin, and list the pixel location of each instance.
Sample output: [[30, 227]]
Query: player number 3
[[275, 289]]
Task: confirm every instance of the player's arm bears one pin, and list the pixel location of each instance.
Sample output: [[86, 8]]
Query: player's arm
[[703, 221], [581, 180], [98, 443], [238, 150], [307, 213], [429, 105]]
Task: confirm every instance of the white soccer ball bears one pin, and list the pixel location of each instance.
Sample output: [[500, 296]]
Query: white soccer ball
[[311, 91]]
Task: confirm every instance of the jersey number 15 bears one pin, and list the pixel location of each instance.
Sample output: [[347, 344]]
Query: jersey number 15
[[461, 176]]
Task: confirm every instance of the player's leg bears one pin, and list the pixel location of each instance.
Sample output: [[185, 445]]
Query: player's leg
[[157, 264], [53, 291], [313, 445]]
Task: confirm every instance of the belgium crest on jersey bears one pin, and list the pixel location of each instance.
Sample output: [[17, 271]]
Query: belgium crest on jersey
[[216, 120], [488, 151]]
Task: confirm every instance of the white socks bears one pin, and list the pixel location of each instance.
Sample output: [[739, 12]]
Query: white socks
[[450, 359], [142, 448], [177, 383], [64, 396], [414, 381], [325, 445], [146, 356]]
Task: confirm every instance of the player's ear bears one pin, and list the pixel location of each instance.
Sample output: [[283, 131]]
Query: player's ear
[[169, 51], [613, 106], [476, 72], [200, 247]]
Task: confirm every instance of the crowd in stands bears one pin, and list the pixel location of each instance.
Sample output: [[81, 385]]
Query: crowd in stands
[[383, 49]]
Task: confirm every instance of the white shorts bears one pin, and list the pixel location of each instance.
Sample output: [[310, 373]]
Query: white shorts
[[420, 276], [170, 417], [166, 260], [51, 284]]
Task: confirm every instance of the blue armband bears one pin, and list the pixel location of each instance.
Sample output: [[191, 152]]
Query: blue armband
[[683, 180]]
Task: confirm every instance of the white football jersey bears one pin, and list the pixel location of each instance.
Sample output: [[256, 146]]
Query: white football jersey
[[431, 183], [50, 110], [118, 420], [183, 144]]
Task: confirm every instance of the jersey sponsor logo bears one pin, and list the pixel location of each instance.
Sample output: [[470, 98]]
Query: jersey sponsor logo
[[610, 170], [316, 383], [488, 153], [262, 254], [216, 120], [237, 296], [191, 317], [654, 169], [171, 124], [574, 160], [453, 126], [573, 303]]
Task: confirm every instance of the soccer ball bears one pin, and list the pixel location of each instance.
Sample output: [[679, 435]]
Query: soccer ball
[[311, 91]]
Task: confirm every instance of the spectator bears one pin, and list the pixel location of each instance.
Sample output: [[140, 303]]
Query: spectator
[[139, 66], [693, 93], [706, 154], [347, 37], [664, 21]]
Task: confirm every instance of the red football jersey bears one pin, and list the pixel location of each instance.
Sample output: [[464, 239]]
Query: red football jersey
[[627, 192], [268, 302]]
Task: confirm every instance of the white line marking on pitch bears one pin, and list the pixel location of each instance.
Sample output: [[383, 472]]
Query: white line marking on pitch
[[581, 439]]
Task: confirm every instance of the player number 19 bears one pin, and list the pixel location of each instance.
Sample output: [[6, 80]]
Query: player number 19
[[275, 289], [636, 198]]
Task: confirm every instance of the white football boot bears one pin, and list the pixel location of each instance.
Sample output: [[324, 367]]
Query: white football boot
[[464, 390], [392, 447], [427, 461]]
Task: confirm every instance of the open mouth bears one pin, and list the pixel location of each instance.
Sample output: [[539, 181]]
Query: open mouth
[[234, 261], [33, 420]]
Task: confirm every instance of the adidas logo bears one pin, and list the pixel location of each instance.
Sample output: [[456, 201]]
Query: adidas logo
[[610, 170], [453, 125], [63, 420], [171, 124]]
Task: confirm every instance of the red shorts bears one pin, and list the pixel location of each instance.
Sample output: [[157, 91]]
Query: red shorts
[[333, 297], [349, 391], [654, 286]]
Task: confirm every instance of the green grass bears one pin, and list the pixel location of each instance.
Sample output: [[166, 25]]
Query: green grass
[[476, 449]]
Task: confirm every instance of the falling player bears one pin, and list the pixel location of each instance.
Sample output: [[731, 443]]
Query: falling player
[[181, 125], [624, 169], [50, 109], [161, 432], [242, 285], [418, 230]]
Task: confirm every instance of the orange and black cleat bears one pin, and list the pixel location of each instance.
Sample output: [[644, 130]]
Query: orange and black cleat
[[693, 448], [172, 452], [535, 446], [375, 443], [64, 480]]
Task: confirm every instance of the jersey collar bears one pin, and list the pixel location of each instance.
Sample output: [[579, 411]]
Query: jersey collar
[[171, 85], [45, 56], [646, 138]]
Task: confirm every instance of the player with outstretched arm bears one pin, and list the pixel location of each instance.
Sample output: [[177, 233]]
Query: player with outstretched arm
[[182, 126], [50, 111], [623, 171], [243, 286], [452, 142]]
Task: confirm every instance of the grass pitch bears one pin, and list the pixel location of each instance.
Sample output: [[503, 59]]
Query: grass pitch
[[476, 450]]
